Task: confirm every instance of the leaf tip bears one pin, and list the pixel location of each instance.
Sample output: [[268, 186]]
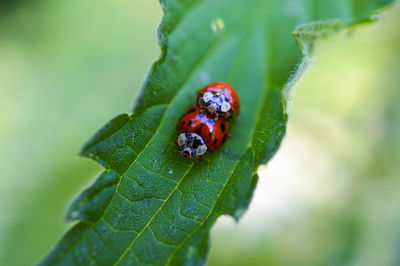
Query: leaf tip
[[106, 131], [89, 205]]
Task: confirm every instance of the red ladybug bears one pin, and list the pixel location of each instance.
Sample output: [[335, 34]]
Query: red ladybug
[[219, 98], [212, 130]]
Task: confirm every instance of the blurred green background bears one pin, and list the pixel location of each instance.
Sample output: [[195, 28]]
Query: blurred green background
[[329, 197]]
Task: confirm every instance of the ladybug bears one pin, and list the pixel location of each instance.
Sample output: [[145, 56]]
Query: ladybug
[[219, 98], [213, 131]]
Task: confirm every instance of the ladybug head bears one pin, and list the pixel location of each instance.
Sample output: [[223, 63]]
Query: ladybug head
[[187, 152], [216, 102], [213, 107], [191, 145]]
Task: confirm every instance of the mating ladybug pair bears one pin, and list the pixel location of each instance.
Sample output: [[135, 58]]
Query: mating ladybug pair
[[204, 126]]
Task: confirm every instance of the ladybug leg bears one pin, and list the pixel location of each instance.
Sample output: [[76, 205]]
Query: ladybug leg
[[196, 161], [203, 108], [177, 152]]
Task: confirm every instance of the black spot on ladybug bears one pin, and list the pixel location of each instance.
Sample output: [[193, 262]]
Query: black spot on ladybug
[[224, 139], [215, 140], [183, 122], [191, 110], [211, 121], [201, 115], [222, 125], [210, 134], [190, 122]]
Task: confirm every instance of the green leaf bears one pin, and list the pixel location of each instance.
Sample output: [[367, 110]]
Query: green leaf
[[152, 207]]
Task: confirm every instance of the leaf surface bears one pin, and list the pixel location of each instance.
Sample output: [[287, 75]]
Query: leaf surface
[[152, 207]]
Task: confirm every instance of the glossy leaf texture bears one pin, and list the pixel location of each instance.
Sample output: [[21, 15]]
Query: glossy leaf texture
[[152, 207]]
